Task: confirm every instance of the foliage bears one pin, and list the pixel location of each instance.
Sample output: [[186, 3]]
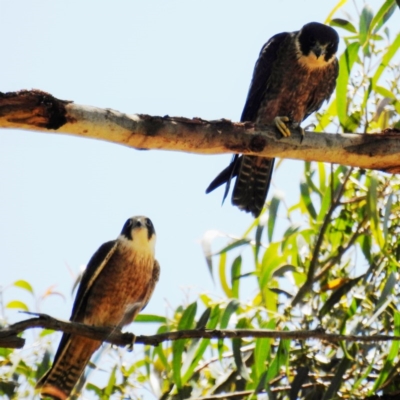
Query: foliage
[[329, 261]]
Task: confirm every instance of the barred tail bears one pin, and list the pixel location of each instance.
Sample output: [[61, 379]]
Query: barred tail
[[72, 356], [252, 184]]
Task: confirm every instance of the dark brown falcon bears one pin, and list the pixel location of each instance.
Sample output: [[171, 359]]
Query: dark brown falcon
[[115, 287], [294, 74]]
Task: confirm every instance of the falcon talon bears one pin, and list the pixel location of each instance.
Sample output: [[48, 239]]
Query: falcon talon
[[294, 74], [280, 123], [130, 345]]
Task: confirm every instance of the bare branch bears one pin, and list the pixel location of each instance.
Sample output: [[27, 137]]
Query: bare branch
[[39, 111], [114, 336]]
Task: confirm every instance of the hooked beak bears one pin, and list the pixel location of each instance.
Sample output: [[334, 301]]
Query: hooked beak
[[318, 50]]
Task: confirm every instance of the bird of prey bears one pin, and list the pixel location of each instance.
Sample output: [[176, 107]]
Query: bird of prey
[[294, 74], [116, 285]]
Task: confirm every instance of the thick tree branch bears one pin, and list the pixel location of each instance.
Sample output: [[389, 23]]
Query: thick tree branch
[[39, 111], [114, 336]]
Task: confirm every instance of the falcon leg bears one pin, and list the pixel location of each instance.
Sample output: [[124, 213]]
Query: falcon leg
[[130, 345], [280, 123], [302, 133]]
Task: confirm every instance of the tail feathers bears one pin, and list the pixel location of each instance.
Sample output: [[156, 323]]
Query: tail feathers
[[225, 177], [252, 184], [73, 354]]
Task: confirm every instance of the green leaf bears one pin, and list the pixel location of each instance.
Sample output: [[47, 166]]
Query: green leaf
[[393, 353], [391, 51], [258, 236], [325, 205], [280, 360], [237, 354], [91, 387], [346, 63], [196, 351], [151, 318], [222, 275], [17, 304], [273, 212], [326, 118], [322, 177], [231, 246], [281, 291], [46, 332], [308, 174], [207, 251], [214, 318], [388, 209], [187, 319], [111, 382], [337, 379], [178, 346], [202, 322], [344, 24], [366, 245], [161, 355], [262, 350], [270, 262], [306, 198], [385, 92], [235, 276], [334, 10], [24, 285], [231, 308], [384, 13], [282, 270], [386, 291], [365, 22], [372, 209]]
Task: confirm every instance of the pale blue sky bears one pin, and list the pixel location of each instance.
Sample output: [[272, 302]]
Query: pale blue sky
[[62, 197]]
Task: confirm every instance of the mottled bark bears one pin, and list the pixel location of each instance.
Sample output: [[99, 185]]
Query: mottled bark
[[39, 111]]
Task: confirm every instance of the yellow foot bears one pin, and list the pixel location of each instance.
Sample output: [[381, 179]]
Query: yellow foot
[[280, 123]]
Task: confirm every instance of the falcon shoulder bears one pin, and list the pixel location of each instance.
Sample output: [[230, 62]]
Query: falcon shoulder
[[261, 75], [96, 264]]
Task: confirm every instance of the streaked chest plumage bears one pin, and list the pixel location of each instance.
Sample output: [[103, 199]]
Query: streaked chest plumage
[[293, 89], [121, 289]]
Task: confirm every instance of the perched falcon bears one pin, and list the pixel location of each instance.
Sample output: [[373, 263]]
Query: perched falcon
[[116, 285], [294, 74]]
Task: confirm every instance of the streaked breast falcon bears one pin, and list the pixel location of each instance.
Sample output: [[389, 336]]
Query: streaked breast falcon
[[294, 74], [116, 285]]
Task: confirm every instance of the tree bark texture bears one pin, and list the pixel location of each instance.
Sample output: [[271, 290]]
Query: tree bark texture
[[39, 111]]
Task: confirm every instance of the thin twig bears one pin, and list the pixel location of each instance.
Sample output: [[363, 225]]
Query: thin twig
[[118, 338]]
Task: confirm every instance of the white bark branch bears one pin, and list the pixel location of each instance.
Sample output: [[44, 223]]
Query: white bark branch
[[39, 111]]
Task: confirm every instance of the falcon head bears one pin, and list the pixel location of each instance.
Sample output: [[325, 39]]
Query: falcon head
[[140, 232], [317, 45]]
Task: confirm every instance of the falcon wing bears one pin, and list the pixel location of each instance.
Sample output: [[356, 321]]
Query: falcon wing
[[96, 264], [261, 75]]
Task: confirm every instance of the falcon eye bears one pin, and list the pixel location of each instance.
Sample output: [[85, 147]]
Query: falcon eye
[[149, 224], [126, 230], [312, 41]]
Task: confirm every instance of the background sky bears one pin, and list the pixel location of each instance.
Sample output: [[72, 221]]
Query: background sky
[[62, 197]]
